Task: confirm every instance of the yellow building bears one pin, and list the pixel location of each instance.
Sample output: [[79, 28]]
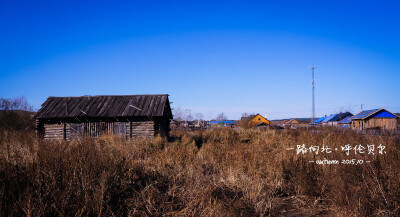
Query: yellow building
[[257, 120]]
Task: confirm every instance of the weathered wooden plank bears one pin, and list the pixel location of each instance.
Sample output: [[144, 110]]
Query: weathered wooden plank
[[103, 106]]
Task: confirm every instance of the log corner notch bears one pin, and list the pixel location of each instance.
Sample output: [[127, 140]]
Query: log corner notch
[[129, 116]]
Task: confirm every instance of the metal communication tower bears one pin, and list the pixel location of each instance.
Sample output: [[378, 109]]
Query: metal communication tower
[[313, 96]]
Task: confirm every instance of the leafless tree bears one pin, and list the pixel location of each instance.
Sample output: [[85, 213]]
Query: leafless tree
[[345, 109], [178, 113], [189, 115], [245, 115], [199, 116], [182, 114], [221, 117], [244, 120], [18, 103]]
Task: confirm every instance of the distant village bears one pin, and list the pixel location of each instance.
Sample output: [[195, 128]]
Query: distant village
[[378, 119], [132, 116]]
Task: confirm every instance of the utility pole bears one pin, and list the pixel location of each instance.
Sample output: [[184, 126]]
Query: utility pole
[[361, 107], [313, 95]]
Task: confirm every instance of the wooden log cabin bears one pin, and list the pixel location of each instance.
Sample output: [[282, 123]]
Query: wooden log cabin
[[129, 116], [257, 120], [376, 118]]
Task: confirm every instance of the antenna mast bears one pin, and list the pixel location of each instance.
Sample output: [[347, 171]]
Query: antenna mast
[[313, 95]]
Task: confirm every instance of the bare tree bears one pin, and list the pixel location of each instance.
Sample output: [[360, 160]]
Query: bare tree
[[221, 117], [18, 103], [245, 115], [178, 113], [344, 109], [244, 120], [199, 116], [182, 114], [189, 115]]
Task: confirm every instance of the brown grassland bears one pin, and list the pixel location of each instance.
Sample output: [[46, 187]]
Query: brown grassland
[[221, 172]]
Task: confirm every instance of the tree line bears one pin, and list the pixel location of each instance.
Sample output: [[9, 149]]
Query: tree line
[[16, 114]]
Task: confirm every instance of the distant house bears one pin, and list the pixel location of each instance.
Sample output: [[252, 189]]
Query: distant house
[[129, 116], [221, 123], [298, 122], [345, 123], [333, 119], [318, 121], [280, 122], [256, 120], [187, 124], [293, 121], [200, 124], [375, 118], [327, 119]]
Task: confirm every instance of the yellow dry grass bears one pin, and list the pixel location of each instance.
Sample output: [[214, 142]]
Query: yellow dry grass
[[222, 172]]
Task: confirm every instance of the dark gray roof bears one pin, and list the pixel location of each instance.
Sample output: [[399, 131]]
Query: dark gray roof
[[365, 114], [346, 120], [374, 113], [337, 117], [105, 106], [329, 118]]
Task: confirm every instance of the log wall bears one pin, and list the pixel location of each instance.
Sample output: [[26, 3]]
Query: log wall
[[70, 131], [128, 130], [55, 131], [142, 129], [383, 123]]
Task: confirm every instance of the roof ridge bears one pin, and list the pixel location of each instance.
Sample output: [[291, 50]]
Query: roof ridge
[[108, 95], [104, 106]]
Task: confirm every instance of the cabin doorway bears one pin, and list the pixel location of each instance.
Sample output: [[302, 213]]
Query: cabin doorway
[[119, 129]]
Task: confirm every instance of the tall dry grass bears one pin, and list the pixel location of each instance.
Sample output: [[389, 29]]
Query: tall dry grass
[[223, 172]]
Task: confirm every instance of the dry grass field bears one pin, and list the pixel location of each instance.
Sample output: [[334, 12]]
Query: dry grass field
[[222, 172]]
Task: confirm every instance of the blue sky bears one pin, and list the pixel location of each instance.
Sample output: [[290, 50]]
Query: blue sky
[[211, 57]]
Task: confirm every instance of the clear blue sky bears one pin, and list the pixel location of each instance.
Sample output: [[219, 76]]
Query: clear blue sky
[[211, 57]]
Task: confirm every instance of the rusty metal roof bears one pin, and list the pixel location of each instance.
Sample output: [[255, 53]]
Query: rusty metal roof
[[105, 106]]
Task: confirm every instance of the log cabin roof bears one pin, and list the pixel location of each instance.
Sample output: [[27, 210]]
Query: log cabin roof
[[105, 106]]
